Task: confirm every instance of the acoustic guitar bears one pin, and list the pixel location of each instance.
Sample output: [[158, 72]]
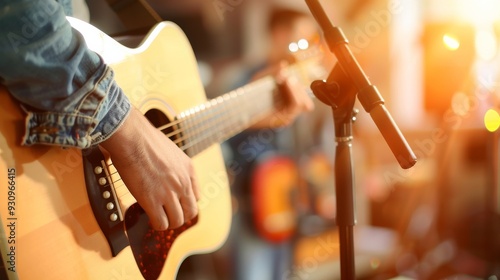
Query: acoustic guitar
[[66, 214]]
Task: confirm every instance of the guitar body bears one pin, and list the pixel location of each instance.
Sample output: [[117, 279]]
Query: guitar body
[[284, 192], [274, 193], [50, 228]]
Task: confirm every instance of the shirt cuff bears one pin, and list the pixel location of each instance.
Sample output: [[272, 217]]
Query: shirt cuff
[[110, 107]]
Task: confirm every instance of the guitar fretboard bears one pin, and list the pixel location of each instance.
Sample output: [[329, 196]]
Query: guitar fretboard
[[225, 116]]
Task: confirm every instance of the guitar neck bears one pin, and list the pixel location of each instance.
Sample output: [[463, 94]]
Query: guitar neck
[[214, 121], [225, 116]]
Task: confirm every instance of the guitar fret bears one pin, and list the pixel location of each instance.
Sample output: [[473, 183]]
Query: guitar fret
[[221, 117], [191, 129]]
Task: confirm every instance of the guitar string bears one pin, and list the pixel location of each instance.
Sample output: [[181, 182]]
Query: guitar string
[[184, 148], [295, 69], [207, 104], [218, 103], [223, 101], [204, 134], [189, 131], [199, 128], [204, 124], [290, 69], [233, 111]]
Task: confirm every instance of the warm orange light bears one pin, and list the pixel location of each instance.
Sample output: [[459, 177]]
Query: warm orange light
[[486, 44], [479, 12], [492, 120], [451, 42]]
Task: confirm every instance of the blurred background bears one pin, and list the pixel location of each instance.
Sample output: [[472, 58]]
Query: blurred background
[[437, 65]]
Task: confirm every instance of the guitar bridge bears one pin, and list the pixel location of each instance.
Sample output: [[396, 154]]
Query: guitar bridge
[[103, 200]]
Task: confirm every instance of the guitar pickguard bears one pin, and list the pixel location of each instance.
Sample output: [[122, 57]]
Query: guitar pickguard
[[150, 247]]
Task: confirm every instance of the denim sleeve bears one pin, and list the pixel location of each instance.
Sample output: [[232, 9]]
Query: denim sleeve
[[68, 92]]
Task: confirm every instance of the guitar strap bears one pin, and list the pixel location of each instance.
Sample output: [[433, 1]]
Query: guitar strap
[[135, 14]]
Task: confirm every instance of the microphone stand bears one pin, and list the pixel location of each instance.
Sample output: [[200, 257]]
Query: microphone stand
[[346, 82]]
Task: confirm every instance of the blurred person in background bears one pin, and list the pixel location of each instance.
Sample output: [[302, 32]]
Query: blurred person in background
[[254, 256]]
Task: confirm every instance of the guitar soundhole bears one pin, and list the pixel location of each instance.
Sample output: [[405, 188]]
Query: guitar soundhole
[[150, 247], [159, 119]]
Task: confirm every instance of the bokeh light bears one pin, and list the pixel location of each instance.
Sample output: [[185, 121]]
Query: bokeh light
[[451, 42], [293, 47], [303, 44], [492, 120]]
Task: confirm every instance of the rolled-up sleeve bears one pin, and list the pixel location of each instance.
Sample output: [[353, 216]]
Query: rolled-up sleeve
[[69, 94]]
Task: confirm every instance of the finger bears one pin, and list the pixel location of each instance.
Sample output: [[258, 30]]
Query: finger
[[174, 212], [158, 218], [189, 205]]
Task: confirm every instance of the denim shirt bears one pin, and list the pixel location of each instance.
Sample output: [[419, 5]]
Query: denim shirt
[[69, 94]]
